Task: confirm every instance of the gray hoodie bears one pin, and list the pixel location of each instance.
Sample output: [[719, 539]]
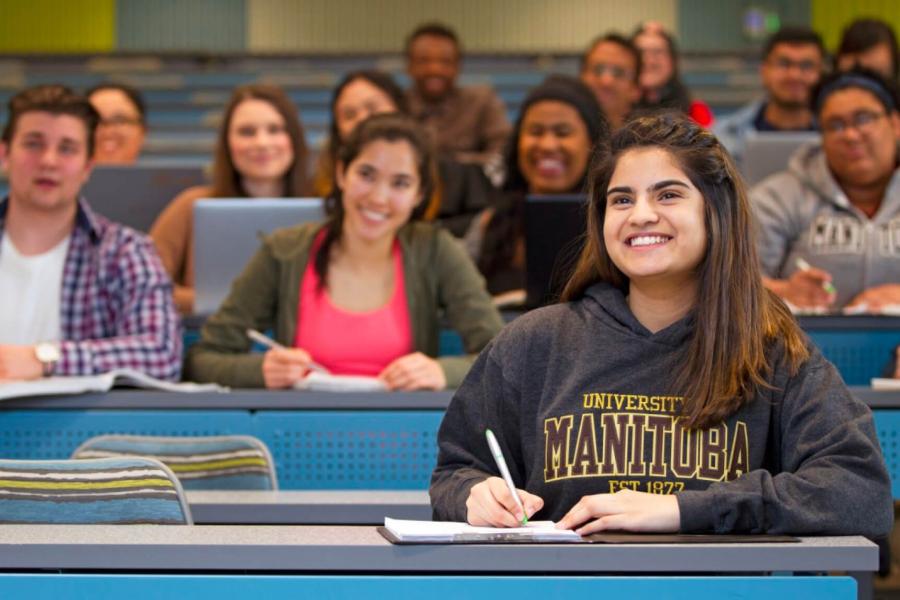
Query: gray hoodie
[[803, 213], [580, 396]]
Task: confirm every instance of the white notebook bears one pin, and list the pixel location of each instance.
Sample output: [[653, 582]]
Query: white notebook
[[438, 531], [83, 384]]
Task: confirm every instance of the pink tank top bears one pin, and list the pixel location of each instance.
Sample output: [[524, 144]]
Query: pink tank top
[[352, 343]]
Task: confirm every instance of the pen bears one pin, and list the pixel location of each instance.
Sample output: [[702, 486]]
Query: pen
[[268, 342], [805, 266], [504, 471]]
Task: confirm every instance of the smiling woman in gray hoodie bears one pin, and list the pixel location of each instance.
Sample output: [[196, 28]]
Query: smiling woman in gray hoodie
[[671, 392]]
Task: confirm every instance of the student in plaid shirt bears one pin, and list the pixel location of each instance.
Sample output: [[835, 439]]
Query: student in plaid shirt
[[79, 295]]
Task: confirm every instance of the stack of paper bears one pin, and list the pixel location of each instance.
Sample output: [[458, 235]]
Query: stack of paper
[[436, 531]]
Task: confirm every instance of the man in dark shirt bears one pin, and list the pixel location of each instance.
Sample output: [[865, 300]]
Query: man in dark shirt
[[466, 124]]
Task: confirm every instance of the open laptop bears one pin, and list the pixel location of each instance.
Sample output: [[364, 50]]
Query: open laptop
[[554, 236], [227, 232], [134, 195], [768, 152]]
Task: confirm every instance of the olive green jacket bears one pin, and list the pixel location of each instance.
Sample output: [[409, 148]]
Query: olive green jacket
[[440, 282]]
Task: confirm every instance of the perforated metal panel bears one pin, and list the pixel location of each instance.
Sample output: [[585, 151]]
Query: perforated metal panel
[[887, 426], [858, 355], [47, 434], [351, 450]]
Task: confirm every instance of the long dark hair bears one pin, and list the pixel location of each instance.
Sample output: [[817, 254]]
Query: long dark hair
[[673, 93], [390, 127], [736, 317], [382, 81], [226, 181], [507, 224]]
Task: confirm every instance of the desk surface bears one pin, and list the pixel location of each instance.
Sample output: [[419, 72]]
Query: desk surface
[[349, 507], [360, 548], [849, 323], [240, 399], [298, 400]]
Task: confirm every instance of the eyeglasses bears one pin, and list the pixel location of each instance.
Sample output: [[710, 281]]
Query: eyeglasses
[[615, 71], [120, 121], [785, 64], [862, 121]]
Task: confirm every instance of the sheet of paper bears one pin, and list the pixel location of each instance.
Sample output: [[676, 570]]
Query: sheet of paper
[[883, 383], [326, 382], [442, 531]]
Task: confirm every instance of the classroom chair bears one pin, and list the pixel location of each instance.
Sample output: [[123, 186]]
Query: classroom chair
[[230, 462], [125, 490]]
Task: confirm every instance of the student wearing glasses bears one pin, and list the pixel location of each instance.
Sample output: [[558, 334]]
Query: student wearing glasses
[[792, 63], [123, 123], [837, 207], [611, 68]]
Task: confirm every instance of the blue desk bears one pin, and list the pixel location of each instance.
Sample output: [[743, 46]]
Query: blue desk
[[320, 441], [347, 562], [859, 346]]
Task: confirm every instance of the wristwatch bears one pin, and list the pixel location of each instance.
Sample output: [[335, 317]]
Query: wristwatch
[[48, 354]]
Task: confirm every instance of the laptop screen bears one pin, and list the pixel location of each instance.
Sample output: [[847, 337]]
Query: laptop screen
[[227, 232], [554, 237], [134, 195]]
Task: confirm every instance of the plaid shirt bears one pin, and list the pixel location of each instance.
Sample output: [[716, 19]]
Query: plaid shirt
[[117, 308]]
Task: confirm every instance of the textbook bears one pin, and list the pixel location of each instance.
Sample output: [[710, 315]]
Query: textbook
[[326, 382], [399, 531], [83, 384]]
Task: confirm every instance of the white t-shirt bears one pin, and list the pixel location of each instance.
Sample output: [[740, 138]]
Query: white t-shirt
[[30, 294]]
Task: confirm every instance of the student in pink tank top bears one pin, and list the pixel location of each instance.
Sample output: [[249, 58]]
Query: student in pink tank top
[[353, 315]]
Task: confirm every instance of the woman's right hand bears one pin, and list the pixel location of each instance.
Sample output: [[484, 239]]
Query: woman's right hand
[[490, 504], [283, 367], [805, 288]]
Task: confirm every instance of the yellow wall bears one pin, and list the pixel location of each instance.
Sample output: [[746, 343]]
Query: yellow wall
[[829, 17], [57, 26]]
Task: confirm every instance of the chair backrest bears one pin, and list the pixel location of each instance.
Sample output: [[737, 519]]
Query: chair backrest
[[229, 462], [127, 490]]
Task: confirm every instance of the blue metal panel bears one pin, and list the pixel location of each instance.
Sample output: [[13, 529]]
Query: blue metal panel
[[48, 434], [858, 355], [887, 426], [224, 587], [351, 450]]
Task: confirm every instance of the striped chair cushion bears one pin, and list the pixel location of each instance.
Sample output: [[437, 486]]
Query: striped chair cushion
[[106, 490], [233, 462]]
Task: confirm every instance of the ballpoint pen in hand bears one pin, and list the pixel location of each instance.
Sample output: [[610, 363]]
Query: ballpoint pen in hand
[[805, 266], [504, 471], [268, 342]]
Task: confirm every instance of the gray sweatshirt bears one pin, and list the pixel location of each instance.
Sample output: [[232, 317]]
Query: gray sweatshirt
[[580, 396], [804, 213]]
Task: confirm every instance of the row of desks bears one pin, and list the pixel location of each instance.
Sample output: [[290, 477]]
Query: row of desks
[[293, 533], [253, 400], [350, 561]]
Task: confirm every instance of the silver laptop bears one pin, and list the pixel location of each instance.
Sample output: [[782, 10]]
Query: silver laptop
[[768, 152], [134, 195], [227, 232]]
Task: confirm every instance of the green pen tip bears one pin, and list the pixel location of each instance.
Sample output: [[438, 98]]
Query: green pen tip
[[524, 519]]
